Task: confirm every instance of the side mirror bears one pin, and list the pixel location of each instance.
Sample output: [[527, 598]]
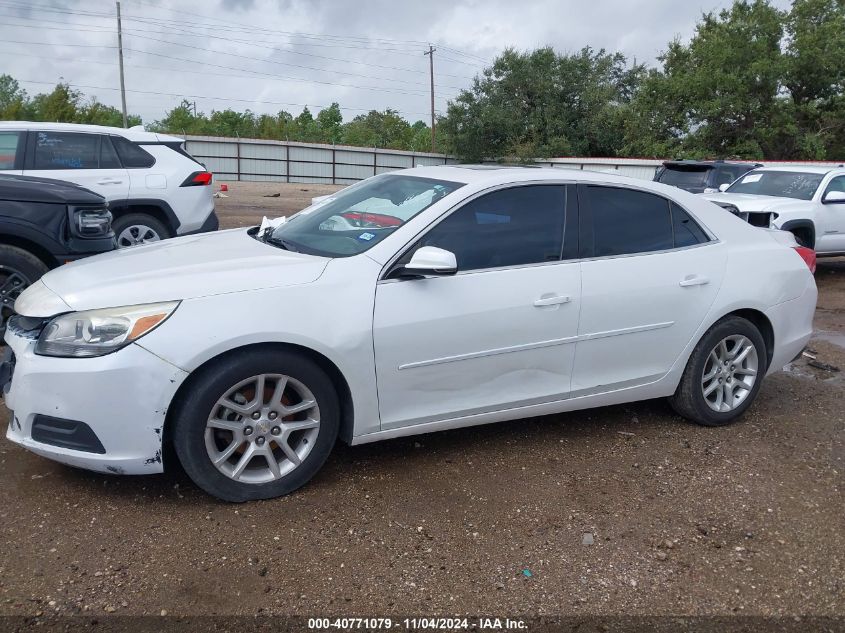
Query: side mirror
[[724, 186], [834, 197], [430, 260]]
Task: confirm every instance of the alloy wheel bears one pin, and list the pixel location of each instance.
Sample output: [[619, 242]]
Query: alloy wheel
[[135, 234], [730, 373], [262, 428]]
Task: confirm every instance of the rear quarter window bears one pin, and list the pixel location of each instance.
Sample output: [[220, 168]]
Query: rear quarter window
[[132, 155]]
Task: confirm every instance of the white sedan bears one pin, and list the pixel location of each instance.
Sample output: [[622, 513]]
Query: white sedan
[[468, 295]]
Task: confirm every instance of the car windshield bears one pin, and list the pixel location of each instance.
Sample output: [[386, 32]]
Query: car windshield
[[782, 184], [358, 217], [684, 176]]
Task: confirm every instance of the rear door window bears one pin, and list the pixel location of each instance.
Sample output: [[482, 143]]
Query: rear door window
[[66, 150], [9, 147], [627, 221]]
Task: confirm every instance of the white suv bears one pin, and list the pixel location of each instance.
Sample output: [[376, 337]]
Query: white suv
[[154, 187]]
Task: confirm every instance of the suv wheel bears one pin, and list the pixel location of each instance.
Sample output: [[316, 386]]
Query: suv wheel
[[138, 228], [257, 424], [723, 374], [18, 269]]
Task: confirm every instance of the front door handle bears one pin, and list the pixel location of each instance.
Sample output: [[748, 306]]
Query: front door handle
[[552, 300], [693, 280]]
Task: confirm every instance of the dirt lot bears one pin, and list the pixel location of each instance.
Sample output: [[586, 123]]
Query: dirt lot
[[626, 509]]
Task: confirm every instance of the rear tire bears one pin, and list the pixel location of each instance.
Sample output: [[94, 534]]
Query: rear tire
[[235, 433], [18, 270], [138, 228], [723, 375]]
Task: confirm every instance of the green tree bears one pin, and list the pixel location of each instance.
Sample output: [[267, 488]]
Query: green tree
[[541, 103], [329, 124], [13, 99]]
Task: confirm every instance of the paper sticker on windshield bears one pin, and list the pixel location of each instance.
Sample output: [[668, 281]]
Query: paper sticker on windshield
[[366, 236], [751, 178]]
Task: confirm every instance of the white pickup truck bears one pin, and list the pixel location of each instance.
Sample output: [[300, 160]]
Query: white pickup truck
[[809, 202]]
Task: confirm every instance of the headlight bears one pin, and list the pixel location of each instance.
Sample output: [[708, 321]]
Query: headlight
[[93, 222], [100, 332]]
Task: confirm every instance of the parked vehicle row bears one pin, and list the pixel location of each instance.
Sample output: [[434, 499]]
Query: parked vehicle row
[[154, 188], [415, 301]]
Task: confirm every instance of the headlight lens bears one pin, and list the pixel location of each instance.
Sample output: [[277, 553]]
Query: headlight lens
[[99, 332]]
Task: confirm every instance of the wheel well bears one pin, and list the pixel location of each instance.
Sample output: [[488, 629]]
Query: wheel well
[[804, 230], [344, 394], [762, 323], [40, 252], [146, 209]]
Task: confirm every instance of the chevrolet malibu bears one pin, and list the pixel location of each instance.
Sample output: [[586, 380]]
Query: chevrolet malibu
[[415, 301]]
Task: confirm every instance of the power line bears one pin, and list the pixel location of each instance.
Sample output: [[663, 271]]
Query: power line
[[210, 97]]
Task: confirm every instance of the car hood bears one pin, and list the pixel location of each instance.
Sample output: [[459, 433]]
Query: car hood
[[180, 268], [749, 203]]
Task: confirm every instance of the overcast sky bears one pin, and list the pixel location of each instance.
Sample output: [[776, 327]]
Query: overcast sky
[[270, 55]]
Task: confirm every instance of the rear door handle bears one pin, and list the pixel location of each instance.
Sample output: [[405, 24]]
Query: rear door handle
[[109, 181], [552, 300], [693, 280]]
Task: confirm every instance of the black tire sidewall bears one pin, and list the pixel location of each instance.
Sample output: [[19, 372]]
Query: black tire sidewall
[[212, 382], [12, 257], [728, 327]]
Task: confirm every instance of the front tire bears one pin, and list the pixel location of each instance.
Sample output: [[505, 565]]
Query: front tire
[[18, 270], [257, 424], [723, 374]]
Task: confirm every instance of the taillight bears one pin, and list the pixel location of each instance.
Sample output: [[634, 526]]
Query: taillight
[[808, 255], [197, 179]]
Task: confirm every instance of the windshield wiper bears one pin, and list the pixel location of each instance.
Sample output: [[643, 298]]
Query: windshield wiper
[[277, 241]]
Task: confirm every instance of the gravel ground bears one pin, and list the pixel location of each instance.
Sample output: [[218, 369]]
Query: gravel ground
[[624, 509]]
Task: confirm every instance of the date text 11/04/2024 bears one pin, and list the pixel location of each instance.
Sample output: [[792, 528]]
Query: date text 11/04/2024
[[422, 623]]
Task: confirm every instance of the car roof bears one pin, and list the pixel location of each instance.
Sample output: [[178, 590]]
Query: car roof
[[707, 163], [804, 169], [492, 175], [137, 133]]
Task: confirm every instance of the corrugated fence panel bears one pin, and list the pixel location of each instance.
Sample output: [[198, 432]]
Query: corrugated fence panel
[[262, 167], [219, 165], [275, 152], [397, 161], [321, 171], [354, 158], [353, 172], [310, 154], [426, 161], [211, 149]]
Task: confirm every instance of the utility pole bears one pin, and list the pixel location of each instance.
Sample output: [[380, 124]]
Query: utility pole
[[120, 59], [430, 53]]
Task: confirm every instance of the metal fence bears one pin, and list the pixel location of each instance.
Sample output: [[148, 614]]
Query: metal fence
[[283, 161], [288, 161]]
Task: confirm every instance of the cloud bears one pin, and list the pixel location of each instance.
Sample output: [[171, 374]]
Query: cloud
[[271, 55]]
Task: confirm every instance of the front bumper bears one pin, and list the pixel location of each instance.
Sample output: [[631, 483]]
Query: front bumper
[[122, 397]]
